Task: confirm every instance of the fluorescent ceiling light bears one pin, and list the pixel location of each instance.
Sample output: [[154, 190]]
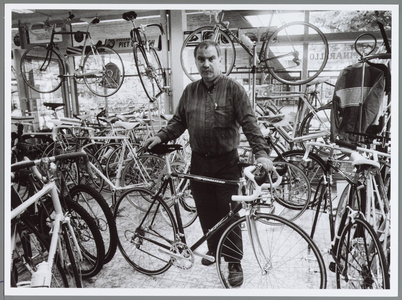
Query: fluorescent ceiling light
[[277, 19], [113, 20], [23, 11]]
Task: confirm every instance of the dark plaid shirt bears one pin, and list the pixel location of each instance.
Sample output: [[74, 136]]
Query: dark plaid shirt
[[213, 117]]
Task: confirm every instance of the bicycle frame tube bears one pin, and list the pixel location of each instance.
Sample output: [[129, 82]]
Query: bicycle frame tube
[[58, 219]]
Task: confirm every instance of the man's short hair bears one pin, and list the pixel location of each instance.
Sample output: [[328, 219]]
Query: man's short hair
[[205, 44]]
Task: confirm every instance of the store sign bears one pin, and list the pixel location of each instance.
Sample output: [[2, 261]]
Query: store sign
[[126, 43], [335, 56], [119, 44]]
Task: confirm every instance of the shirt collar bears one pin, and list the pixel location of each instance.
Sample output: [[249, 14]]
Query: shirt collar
[[211, 87]]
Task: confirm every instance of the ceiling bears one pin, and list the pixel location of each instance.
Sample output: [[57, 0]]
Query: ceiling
[[41, 15], [62, 14]]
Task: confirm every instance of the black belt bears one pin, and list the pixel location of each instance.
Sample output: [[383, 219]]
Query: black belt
[[212, 155]]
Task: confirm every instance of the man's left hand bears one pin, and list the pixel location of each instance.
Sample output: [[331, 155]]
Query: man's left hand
[[266, 163]]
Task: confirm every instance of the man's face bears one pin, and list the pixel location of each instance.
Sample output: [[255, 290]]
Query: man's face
[[208, 63]]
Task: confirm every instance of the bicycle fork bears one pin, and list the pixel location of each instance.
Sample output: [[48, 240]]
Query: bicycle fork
[[264, 262]]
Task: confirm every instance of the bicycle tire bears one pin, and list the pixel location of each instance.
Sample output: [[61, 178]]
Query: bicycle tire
[[106, 78], [97, 182], [112, 164], [72, 266], [313, 121], [314, 169], [316, 122], [276, 59], [150, 71], [104, 151], [140, 235], [342, 203], [32, 249], [291, 260], [292, 197], [48, 80], [361, 262], [96, 205], [204, 33], [87, 233]]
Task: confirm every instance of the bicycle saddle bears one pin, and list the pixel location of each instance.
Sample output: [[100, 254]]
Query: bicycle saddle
[[130, 15], [272, 119], [53, 105], [165, 148]]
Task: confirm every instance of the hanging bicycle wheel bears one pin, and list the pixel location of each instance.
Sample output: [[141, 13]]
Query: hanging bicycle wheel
[[296, 53], [42, 70], [201, 34], [150, 71], [103, 71]]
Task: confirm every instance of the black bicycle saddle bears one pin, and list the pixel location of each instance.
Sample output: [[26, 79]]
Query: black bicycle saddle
[[165, 148], [130, 15], [53, 105]]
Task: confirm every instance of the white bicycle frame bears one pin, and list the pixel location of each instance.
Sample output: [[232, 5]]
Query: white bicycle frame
[[42, 277]]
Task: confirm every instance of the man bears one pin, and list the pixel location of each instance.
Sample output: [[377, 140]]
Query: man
[[212, 110]]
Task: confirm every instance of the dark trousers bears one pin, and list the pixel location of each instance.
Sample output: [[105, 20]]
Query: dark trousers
[[212, 200]]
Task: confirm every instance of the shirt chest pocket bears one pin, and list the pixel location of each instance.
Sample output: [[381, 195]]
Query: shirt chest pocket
[[223, 116]]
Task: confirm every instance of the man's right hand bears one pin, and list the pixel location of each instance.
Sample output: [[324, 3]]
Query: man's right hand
[[149, 143]]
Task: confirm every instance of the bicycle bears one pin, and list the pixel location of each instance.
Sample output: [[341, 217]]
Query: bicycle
[[88, 197], [44, 68], [53, 257], [281, 54], [358, 253], [149, 68], [151, 246]]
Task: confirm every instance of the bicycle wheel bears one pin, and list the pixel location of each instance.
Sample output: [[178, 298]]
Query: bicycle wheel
[[318, 122], [292, 197], [206, 33], [86, 231], [360, 258], [97, 182], [146, 170], [103, 71], [98, 208], [113, 163], [314, 169], [288, 49], [278, 255], [342, 203], [150, 71], [42, 70], [142, 231], [32, 249]]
